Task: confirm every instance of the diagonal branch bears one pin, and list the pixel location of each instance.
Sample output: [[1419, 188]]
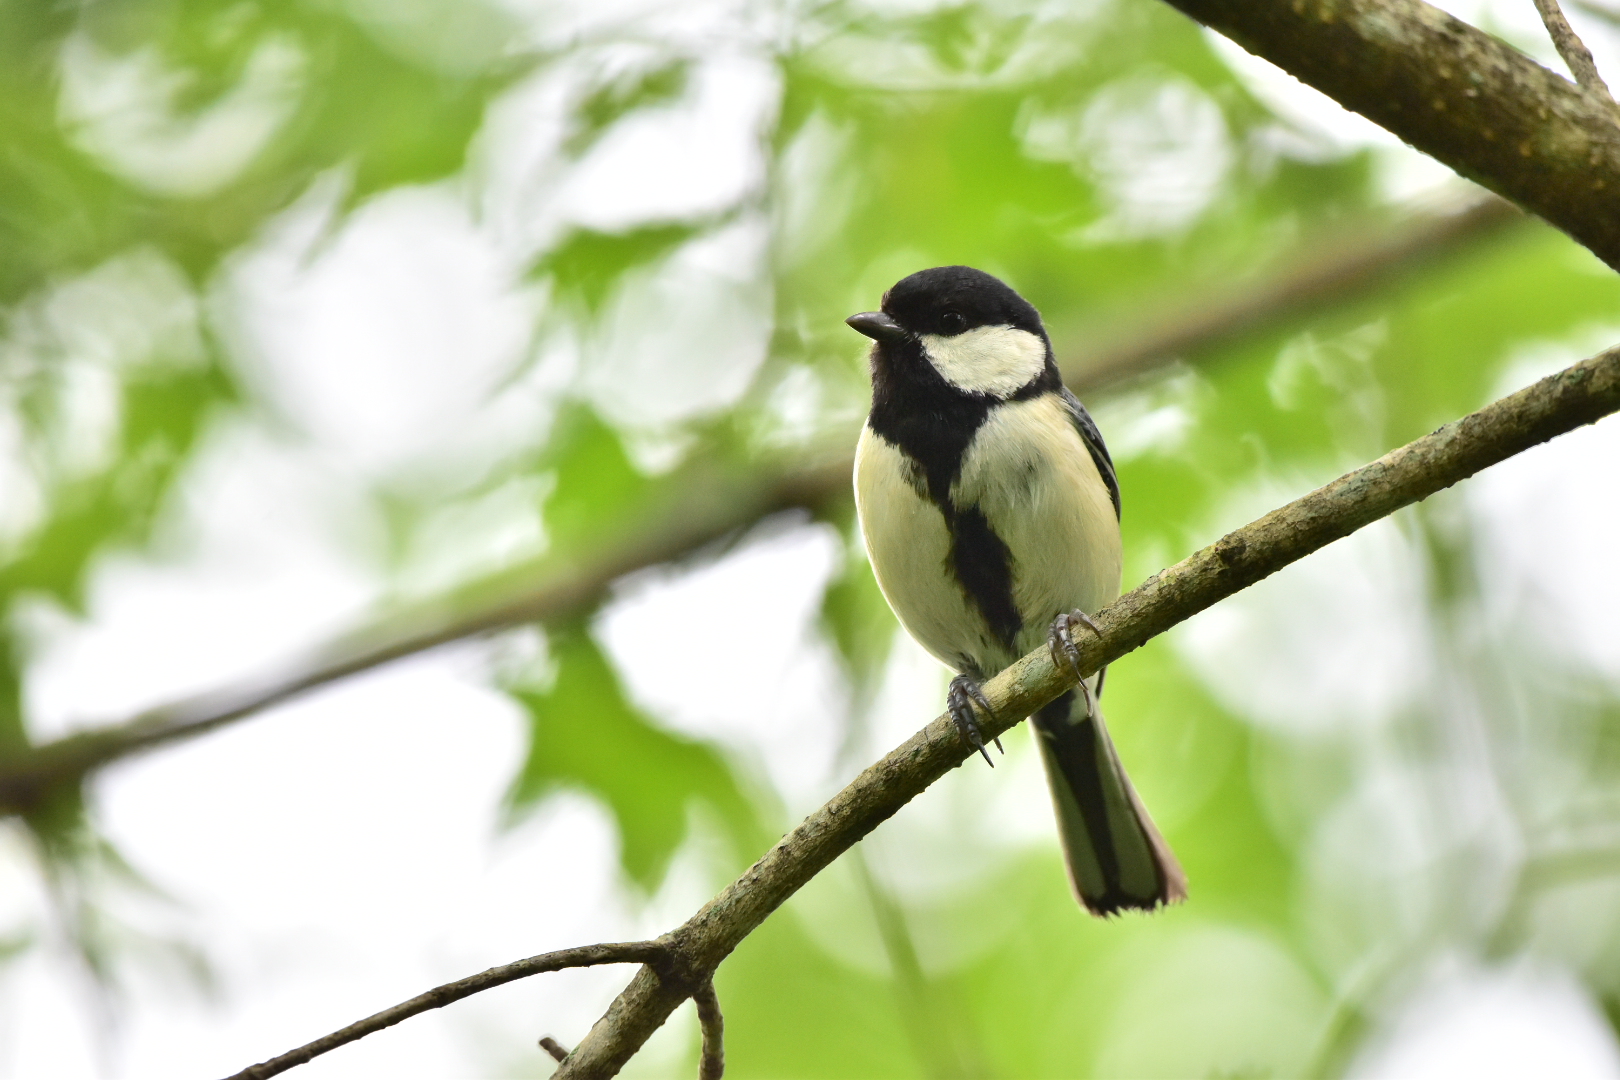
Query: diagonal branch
[[681, 964], [628, 952], [1325, 271], [1454, 92], [712, 508], [709, 508], [1578, 395]]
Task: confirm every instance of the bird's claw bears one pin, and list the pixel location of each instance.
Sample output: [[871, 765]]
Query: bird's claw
[[1060, 643], [959, 702]]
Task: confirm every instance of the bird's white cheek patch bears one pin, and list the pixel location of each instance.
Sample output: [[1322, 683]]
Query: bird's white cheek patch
[[997, 360]]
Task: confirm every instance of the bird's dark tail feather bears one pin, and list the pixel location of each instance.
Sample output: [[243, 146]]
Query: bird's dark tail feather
[[1116, 857]]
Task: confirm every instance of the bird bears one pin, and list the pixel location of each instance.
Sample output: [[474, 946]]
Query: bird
[[990, 511]]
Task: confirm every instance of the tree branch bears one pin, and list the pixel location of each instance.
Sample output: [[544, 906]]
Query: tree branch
[[1452, 91], [713, 1065], [1572, 49], [712, 507], [709, 508], [1578, 395], [681, 964], [629, 952], [1326, 270]]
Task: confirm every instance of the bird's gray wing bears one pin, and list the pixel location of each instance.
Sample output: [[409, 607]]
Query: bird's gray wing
[[1093, 439]]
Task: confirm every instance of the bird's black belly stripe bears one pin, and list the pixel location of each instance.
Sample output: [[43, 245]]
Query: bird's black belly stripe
[[983, 565], [933, 424]]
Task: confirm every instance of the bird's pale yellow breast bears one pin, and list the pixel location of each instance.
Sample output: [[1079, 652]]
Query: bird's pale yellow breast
[[1031, 474], [909, 547]]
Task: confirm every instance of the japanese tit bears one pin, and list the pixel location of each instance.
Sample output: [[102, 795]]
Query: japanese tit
[[990, 511]]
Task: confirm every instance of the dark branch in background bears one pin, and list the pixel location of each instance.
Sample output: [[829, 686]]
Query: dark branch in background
[[713, 1064], [711, 508], [1452, 91], [1331, 270], [1572, 49], [1592, 7], [719, 507], [683, 961], [629, 952]]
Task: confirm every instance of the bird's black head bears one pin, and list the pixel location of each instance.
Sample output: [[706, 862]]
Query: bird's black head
[[949, 300], [956, 329]]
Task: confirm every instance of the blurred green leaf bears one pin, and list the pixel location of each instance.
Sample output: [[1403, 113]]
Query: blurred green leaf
[[617, 98], [598, 490], [858, 620], [13, 731], [791, 1011], [586, 264], [361, 106], [586, 735], [163, 413]]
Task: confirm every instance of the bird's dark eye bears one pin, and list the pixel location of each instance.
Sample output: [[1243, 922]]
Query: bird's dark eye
[[952, 322]]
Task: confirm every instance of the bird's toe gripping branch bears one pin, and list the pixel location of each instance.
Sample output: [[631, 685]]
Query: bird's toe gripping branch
[[1060, 643], [959, 702]]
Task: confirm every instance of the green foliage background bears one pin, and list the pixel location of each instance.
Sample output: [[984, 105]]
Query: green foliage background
[[984, 133]]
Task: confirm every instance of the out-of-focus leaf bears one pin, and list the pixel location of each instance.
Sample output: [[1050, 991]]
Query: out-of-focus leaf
[[361, 105], [856, 617], [163, 412], [398, 122], [598, 489], [586, 735], [614, 100], [1175, 740], [587, 264], [13, 733], [793, 1011]]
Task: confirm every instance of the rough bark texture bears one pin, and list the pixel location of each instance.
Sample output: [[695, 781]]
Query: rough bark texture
[[1574, 51], [1454, 92], [1559, 403]]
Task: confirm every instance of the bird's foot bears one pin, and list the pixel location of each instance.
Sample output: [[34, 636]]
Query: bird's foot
[[1060, 643], [959, 702]]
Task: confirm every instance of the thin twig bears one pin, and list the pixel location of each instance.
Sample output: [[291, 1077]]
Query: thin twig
[[1579, 395], [1572, 49], [628, 952], [719, 507], [713, 1064], [557, 1050]]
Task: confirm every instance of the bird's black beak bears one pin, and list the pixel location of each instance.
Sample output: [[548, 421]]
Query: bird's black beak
[[877, 326]]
